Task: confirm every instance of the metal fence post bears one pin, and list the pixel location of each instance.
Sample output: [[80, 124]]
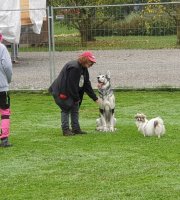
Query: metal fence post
[[51, 43]]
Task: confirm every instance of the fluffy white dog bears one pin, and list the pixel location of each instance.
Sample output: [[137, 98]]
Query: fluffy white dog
[[107, 121], [151, 127]]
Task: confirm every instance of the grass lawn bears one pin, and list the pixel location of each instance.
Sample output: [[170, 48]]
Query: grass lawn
[[70, 43], [44, 165], [68, 39]]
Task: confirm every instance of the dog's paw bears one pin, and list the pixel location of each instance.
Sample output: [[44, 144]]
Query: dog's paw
[[111, 129], [105, 129], [99, 128]]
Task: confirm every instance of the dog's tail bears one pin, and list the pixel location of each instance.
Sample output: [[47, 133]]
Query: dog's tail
[[158, 121], [159, 126]]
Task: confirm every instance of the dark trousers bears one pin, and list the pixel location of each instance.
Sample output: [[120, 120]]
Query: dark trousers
[[73, 115], [68, 116], [5, 114], [4, 100]]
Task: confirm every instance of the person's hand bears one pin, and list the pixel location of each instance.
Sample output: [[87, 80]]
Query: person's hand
[[99, 85], [98, 101], [76, 102]]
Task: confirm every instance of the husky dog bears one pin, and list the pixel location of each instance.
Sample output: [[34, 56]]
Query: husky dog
[[151, 127], [107, 121]]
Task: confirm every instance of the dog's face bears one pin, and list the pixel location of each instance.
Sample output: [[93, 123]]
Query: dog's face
[[103, 80], [140, 117]]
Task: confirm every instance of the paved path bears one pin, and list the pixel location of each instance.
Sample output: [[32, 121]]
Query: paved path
[[129, 68]]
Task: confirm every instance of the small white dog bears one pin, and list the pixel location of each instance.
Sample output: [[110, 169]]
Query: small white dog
[[151, 127]]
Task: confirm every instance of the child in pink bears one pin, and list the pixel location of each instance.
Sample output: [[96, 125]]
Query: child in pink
[[5, 79]]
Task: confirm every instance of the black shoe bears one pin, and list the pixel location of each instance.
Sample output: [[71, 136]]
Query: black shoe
[[79, 132], [5, 143], [68, 133]]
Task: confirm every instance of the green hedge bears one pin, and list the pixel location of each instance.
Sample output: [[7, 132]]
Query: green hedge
[[136, 25]]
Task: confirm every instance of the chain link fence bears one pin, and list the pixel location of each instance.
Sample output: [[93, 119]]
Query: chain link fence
[[138, 43]]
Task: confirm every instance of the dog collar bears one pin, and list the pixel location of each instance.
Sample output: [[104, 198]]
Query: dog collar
[[107, 92]]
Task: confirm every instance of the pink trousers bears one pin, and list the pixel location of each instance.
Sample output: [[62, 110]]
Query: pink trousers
[[5, 123]]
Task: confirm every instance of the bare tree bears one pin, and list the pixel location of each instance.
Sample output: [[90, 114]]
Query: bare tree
[[178, 23], [88, 19]]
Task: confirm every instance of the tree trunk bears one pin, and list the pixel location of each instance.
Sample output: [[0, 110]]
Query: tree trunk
[[178, 24], [83, 34], [178, 33], [85, 30]]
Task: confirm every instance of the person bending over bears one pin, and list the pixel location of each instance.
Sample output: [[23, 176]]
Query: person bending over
[[68, 90]]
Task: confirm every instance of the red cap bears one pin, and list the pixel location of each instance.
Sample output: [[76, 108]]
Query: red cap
[[1, 37], [89, 56]]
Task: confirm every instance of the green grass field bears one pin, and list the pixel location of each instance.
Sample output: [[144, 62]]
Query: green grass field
[[68, 39], [44, 165], [73, 43], [70, 43]]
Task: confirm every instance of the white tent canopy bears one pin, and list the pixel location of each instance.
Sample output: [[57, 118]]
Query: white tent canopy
[[10, 21], [37, 16], [10, 18]]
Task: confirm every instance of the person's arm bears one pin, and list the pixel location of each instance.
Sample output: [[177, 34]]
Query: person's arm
[[88, 88], [7, 64]]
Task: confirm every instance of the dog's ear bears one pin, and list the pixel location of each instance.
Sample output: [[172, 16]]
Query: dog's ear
[[108, 74], [143, 115], [98, 75], [136, 116]]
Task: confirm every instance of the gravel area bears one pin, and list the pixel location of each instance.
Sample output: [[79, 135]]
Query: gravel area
[[129, 68]]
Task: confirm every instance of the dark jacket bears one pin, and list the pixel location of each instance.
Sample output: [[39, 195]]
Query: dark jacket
[[68, 82]]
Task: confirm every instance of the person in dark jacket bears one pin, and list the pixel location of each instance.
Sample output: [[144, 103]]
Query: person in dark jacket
[[68, 90]]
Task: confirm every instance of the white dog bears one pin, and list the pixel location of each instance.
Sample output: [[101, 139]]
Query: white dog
[[151, 127], [107, 121]]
